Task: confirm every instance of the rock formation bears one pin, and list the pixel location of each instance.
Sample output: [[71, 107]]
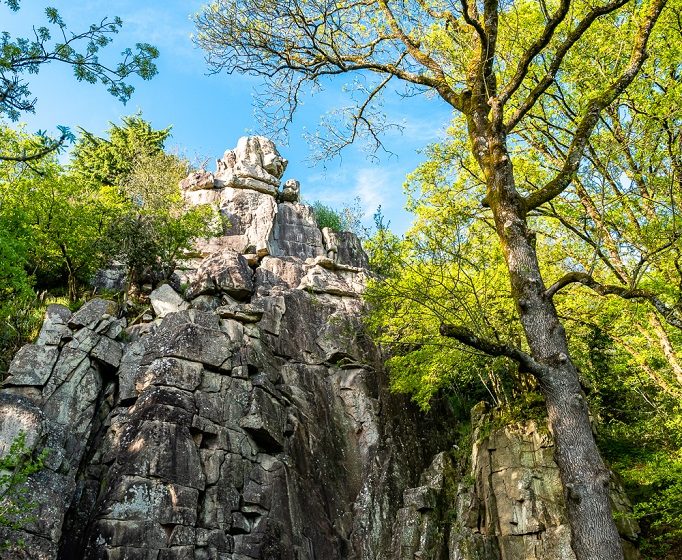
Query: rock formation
[[247, 418]]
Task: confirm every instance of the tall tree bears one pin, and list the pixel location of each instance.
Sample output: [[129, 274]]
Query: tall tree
[[55, 42], [494, 63]]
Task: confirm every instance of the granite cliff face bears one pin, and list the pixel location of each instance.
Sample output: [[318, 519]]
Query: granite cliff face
[[247, 418]]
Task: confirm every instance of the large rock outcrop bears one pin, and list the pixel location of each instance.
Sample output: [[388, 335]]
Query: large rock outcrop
[[248, 419], [241, 419]]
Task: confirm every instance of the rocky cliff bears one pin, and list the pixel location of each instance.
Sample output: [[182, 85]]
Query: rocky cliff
[[247, 417]]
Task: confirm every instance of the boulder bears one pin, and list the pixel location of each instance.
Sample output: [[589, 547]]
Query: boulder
[[291, 191], [32, 365], [166, 300], [226, 272], [255, 164], [91, 312], [55, 328]]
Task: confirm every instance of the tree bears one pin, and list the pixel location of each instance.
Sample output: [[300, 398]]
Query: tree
[[495, 64], [155, 225], [110, 161], [81, 50], [59, 219], [151, 225]]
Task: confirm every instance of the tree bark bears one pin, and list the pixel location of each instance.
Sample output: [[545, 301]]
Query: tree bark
[[585, 477]]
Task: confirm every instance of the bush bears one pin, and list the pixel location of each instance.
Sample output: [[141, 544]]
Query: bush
[[326, 216]]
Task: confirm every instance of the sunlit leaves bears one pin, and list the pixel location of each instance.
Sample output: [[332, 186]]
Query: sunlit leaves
[[81, 50]]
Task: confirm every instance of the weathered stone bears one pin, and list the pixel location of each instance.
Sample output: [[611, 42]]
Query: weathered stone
[[135, 498], [253, 164], [198, 180], [128, 369], [112, 278], [226, 272], [420, 498], [265, 420], [278, 273], [346, 248], [296, 234], [319, 279], [291, 191], [32, 365], [166, 300], [108, 352], [55, 328], [245, 313], [172, 372], [92, 312], [191, 342], [19, 415], [249, 217], [162, 450]]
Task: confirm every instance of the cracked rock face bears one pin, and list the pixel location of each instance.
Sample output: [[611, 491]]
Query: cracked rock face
[[240, 422]]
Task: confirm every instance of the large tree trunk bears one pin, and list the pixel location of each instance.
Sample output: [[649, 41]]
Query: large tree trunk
[[583, 473]]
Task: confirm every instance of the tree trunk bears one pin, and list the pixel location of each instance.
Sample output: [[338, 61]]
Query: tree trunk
[[584, 475]]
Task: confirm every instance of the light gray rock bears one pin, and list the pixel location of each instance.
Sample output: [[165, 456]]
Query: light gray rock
[[296, 233], [198, 180], [291, 191], [166, 300], [254, 164], [55, 328], [346, 247], [226, 272], [32, 365], [250, 218], [91, 312], [172, 372], [338, 282]]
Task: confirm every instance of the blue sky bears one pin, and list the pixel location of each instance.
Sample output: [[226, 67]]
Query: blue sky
[[210, 112]]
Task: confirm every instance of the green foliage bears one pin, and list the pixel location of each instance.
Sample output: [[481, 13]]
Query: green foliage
[[59, 220], [109, 161], [118, 200], [325, 216], [17, 464], [154, 225], [54, 42], [349, 218]]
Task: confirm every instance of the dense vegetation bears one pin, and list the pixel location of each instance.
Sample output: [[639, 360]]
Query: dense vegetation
[[117, 199]]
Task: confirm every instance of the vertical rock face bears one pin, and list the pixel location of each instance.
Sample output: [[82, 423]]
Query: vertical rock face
[[248, 419], [508, 506]]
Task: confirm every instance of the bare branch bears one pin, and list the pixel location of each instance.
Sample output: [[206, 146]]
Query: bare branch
[[594, 108], [465, 336]]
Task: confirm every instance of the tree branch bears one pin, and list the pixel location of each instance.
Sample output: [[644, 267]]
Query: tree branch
[[533, 51], [41, 153], [594, 108], [558, 59], [669, 313], [465, 336]]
